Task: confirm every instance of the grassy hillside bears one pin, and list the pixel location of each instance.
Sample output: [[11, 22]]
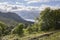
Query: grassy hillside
[[12, 19], [54, 36], [9, 22], [13, 16]]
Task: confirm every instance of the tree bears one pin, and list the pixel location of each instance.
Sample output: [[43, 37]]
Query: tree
[[57, 18], [47, 20]]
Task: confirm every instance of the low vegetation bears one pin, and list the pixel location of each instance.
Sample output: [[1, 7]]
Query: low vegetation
[[49, 20]]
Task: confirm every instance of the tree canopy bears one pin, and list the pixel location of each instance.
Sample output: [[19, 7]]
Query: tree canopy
[[49, 19]]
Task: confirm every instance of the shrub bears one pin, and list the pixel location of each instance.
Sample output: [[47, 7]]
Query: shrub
[[18, 29], [0, 31], [3, 28]]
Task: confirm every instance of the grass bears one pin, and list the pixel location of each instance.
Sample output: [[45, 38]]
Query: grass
[[26, 37], [55, 36]]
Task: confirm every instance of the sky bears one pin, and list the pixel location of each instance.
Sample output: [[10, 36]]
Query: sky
[[19, 5], [28, 5]]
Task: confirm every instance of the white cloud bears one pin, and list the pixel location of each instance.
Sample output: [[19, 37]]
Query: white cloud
[[3, 6], [52, 7], [3, 3], [30, 20], [19, 3], [9, 7], [34, 1]]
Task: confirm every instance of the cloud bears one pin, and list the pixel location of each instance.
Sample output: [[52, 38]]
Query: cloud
[[3, 3], [41, 1], [34, 1], [43, 6], [10, 7], [19, 3], [5, 6]]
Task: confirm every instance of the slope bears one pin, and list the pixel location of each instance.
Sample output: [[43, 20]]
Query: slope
[[9, 16]]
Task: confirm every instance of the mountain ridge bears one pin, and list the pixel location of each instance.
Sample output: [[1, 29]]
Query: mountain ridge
[[13, 16]]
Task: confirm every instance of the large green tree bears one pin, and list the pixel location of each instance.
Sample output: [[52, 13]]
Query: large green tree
[[49, 19]]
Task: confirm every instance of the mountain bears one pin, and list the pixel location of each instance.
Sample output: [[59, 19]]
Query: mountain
[[12, 17], [28, 14], [24, 12]]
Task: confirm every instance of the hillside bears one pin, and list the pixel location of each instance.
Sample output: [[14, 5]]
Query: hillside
[[28, 14], [9, 17], [46, 28], [38, 36], [55, 36], [8, 21]]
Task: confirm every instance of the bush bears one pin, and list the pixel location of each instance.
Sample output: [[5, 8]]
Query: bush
[[0, 31], [33, 29], [3, 28], [18, 29]]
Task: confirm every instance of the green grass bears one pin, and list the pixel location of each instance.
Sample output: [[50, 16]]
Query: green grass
[[55, 36], [15, 36]]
